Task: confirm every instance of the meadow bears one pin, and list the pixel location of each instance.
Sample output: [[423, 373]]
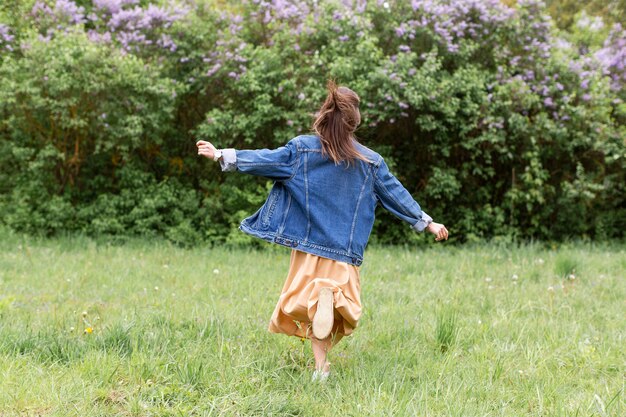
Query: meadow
[[145, 328]]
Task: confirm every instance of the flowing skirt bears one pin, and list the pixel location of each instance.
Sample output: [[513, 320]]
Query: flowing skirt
[[297, 304]]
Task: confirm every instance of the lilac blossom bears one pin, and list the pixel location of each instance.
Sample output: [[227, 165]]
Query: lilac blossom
[[69, 9], [112, 6], [94, 36], [123, 22], [213, 69], [6, 38], [612, 57], [63, 14], [454, 20]]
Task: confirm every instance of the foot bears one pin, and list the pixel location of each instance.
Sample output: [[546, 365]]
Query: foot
[[322, 374], [324, 317]]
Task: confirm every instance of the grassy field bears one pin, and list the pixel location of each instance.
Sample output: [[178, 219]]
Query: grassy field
[[148, 329]]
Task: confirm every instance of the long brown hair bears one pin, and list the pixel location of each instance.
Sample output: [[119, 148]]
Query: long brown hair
[[336, 122]]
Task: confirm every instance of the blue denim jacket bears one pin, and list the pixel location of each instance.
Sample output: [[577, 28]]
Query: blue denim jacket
[[319, 207]]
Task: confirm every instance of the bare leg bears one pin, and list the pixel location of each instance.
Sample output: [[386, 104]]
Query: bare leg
[[320, 351]]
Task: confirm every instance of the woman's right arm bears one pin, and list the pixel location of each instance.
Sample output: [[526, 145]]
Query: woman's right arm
[[275, 164]]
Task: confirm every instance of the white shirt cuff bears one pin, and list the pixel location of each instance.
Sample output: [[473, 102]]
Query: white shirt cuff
[[228, 162], [423, 222]]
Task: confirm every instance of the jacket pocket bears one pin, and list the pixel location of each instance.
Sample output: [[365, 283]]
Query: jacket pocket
[[270, 205]]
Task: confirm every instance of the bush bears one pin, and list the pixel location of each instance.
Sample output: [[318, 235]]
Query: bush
[[498, 123]]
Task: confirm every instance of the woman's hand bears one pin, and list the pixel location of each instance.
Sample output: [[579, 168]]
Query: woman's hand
[[439, 230], [206, 149]]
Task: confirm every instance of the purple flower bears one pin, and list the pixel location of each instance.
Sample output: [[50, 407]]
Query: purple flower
[[64, 13], [586, 97], [112, 6], [70, 10], [214, 69], [612, 57], [166, 42], [344, 38], [5, 35], [404, 48]]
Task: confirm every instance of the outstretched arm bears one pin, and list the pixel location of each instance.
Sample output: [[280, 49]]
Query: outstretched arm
[[396, 199], [276, 164]]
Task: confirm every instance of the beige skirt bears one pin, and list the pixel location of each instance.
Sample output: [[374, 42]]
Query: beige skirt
[[298, 300]]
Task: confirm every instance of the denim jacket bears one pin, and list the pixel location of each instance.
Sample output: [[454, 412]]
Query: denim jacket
[[317, 206]]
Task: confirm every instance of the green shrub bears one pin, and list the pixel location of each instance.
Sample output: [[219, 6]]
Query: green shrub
[[497, 123]]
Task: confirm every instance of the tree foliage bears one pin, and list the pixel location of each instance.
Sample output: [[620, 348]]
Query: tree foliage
[[497, 122]]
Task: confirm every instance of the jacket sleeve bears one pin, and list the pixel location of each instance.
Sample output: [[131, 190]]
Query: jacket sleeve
[[396, 199], [276, 164]]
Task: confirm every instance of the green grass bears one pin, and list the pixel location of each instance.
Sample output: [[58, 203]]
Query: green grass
[[491, 330]]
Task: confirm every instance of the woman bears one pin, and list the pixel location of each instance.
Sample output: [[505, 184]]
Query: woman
[[326, 188]]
